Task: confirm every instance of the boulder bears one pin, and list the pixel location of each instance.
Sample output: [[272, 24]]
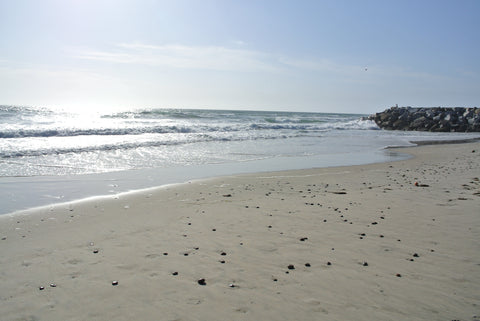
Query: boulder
[[436, 119]]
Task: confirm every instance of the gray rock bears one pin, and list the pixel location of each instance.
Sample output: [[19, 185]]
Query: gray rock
[[437, 119]]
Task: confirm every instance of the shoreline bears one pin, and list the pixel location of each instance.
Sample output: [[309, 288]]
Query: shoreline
[[443, 142], [390, 241], [23, 193], [115, 178]]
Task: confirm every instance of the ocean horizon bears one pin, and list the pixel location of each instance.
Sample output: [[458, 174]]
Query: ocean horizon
[[50, 156]]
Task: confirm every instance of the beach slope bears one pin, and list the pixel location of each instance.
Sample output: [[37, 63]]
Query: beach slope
[[392, 241]]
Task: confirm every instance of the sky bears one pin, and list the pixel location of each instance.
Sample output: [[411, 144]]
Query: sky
[[319, 56]]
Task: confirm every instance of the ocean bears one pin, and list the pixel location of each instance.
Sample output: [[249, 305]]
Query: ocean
[[50, 156]]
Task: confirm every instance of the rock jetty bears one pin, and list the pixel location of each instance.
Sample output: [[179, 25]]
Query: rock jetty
[[433, 119]]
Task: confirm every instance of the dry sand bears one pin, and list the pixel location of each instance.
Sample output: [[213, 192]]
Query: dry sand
[[347, 243]]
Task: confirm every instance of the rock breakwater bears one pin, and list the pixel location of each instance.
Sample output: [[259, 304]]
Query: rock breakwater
[[433, 119]]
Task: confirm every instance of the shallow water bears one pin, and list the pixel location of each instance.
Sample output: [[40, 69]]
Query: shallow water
[[51, 156]]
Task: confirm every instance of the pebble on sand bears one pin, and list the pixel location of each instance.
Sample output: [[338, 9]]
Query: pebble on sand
[[202, 282], [114, 283], [291, 267]]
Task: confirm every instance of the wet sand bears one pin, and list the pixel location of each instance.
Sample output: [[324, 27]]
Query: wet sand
[[391, 241]]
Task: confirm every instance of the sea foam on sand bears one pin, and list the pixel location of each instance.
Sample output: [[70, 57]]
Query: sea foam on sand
[[392, 241]]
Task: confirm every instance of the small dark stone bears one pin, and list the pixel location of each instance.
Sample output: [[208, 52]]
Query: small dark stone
[[214, 229], [165, 253], [329, 263], [269, 226], [398, 275], [365, 264], [41, 288], [222, 261], [175, 273], [381, 235], [303, 239], [227, 195], [95, 251], [202, 282], [416, 255], [53, 285], [231, 285], [374, 223], [275, 280], [291, 267], [307, 264], [223, 253], [114, 283], [185, 254]]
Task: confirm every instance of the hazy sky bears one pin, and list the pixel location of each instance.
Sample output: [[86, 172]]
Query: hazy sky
[[326, 56]]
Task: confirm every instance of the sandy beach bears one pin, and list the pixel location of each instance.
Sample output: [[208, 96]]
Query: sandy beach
[[390, 241]]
